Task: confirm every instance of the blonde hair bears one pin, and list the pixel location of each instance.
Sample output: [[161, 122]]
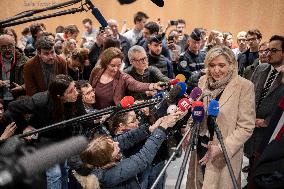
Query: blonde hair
[[98, 153], [212, 38], [222, 50]]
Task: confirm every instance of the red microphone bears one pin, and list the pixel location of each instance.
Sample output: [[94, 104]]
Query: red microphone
[[126, 102], [169, 83], [183, 104], [196, 103]]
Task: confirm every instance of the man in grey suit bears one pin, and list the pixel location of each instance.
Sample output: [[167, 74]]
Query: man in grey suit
[[268, 89]]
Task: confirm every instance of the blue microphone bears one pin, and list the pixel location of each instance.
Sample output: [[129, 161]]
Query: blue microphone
[[213, 108], [213, 112], [197, 114], [97, 14], [183, 87]]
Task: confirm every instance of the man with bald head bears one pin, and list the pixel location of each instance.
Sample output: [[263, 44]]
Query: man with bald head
[[11, 71], [124, 43]]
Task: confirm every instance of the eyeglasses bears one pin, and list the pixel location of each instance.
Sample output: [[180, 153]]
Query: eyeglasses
[[251, 39], [263, 51], [141, 60], [274, 50], [7, 47]]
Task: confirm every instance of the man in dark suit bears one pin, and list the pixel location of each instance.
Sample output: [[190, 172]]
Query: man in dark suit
[[269, 167], [268, 88]]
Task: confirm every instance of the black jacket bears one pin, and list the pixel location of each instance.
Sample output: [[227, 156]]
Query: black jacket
[[163, 64], [190, 62], [40, 107], [151, 75]]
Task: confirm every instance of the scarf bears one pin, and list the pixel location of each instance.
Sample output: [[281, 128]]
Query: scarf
[[215, 88]]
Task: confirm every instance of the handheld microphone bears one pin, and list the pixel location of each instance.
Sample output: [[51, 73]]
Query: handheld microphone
[[169, 98], [195, 93], [97, 14], [172, 109], [167, 84], [196, 103], [184, 104], [35, 163], [183, 87], [198, 114], [213, 112], [181, 77]]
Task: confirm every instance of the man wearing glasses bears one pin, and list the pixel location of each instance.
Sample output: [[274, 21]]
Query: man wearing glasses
[[263, 58], [141, 71], [268, 88], [247, 58], [11, 70]]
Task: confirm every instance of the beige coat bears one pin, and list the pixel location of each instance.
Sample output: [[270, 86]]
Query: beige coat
[[236, 121]]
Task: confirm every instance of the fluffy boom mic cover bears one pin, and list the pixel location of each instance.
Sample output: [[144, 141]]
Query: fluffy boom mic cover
[[45, 158]]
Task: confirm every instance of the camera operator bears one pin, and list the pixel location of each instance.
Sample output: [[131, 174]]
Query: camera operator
[[103, 158], [192, 59]]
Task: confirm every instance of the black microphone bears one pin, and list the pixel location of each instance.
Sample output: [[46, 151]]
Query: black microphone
[[169, 98], [159, 3], [97, 14], [122, 2], [35, 163]]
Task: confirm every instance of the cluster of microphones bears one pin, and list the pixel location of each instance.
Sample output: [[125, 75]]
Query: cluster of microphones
[[168, 101]]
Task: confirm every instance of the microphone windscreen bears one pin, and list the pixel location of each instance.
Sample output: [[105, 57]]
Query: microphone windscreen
[[44, 158], [127, 102], [171, 109], [181, 77], [126, 1], [196, 103], [159, 3], [99, 17], [174, 92], [198, 113], [195, 93], [213, 108], [183, 88], [174, 81], [184, 104], [159, 95]]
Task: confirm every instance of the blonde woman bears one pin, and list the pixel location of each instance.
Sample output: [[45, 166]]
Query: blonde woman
[[236, 119]]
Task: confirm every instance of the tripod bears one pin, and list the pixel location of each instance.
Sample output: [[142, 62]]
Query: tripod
[[193, 141]]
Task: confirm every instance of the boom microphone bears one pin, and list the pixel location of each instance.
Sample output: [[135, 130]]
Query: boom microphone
[[33, 164], [159, 3], [213, 111], [97, 14]]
